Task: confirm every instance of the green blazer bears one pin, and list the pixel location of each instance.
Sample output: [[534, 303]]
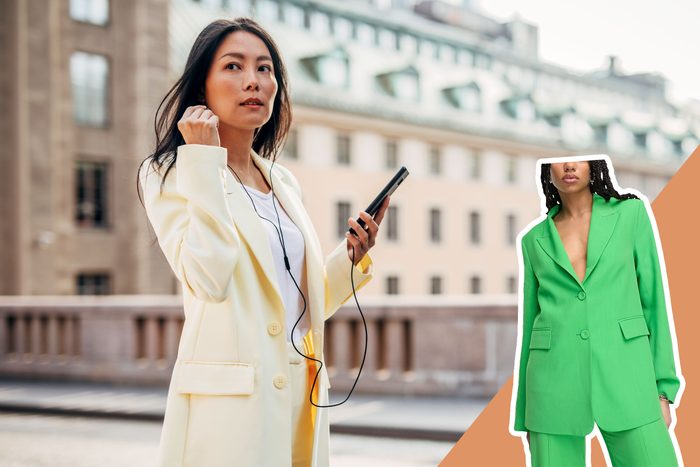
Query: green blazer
[[598, 349]]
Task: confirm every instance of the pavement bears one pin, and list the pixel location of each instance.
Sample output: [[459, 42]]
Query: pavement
[[398, 417]]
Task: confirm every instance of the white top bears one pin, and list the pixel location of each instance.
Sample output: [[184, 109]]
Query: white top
[[294, 244]]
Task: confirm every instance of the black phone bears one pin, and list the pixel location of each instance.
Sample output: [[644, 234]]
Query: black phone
[[388, 190]]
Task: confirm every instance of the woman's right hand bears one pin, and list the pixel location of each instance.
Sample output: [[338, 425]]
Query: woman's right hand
[[199, 125]]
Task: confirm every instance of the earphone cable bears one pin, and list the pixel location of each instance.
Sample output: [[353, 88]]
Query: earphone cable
[[288, 268]]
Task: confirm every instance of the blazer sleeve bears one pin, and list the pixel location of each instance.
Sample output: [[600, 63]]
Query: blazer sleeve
[[338, 282], [530, 309], [337, 269], [653, 299], [191, 220]]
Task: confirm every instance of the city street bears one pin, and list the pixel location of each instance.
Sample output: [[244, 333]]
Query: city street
[[61, 441]]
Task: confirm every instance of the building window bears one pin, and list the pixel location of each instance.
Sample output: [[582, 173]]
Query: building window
[[435, 233], [483, 61], [403, 84], [334, 68], [511, 284], [343, 29], [343, 213], [465, 97], [475, 166], [93, 284], [89, 78], [640, 141], [475, 284], [91, 194], [511, 166], [293, 15], [392, 223], [236, 6], [320, 23], [435, 285], [428, 48], [408, 44], [447, 53], [465, 57], [90, 11], [343, 149], [392, 285], [510, 229], [392, 156], [474, 228], [600, 134], [291, 146], [267, 10], [435, 160], [388, 39], [366, 34]]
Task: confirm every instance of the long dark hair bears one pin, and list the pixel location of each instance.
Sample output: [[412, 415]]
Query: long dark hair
[[600, 183], [189, 90]]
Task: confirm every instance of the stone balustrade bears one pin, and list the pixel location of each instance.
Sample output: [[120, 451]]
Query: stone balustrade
[[456, 346]]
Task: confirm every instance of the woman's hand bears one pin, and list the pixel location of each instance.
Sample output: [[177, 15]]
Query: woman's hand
[[666, 412], [365, 238], [199, 125]]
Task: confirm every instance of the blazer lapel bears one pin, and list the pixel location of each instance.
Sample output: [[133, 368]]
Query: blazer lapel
[[603, 220], [251, 227]]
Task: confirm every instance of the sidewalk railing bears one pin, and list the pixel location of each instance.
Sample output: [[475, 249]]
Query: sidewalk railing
[[430, 346]]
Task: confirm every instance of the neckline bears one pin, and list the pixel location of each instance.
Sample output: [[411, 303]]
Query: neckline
[[258, 192], [248, 187], [560, 242]]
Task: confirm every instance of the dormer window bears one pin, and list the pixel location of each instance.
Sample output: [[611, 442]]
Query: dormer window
[[466, 97], [330, 68], [520, 107], [403, 84]]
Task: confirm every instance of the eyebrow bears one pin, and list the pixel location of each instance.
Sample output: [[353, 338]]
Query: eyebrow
[[240, 55]]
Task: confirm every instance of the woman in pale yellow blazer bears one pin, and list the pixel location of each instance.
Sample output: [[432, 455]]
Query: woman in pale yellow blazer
[[239, 393]]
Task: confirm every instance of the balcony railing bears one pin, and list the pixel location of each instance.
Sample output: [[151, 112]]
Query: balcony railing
[[434, 345]]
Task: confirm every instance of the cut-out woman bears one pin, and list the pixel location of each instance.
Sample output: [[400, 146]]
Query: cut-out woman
[[596, 344]]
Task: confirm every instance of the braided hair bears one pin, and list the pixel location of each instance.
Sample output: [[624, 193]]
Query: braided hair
[[600, 183]]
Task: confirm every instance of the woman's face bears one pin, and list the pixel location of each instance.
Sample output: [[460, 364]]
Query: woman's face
[[570, 177], [241, 69]]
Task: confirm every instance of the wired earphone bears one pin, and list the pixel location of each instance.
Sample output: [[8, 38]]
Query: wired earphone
[[287, 266]]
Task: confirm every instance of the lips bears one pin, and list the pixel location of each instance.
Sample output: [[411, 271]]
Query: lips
[[570, 178], [252, 101]]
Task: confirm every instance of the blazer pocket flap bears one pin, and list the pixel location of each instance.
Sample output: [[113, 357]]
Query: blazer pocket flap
[[541, 339], [215, 378], [634, 327]]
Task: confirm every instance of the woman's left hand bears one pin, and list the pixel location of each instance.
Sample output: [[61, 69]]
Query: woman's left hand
[[666, 412], [365, 236]]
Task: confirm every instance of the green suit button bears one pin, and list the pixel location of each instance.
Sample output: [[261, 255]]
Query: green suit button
[[581, 295], [585, 334]]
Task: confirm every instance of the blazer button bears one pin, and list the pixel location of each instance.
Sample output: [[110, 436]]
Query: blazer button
[[585, 334], [280, 381], [581, 295], [274, 328]]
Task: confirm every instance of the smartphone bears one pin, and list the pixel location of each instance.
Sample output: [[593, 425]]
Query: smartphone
[[387, 191]]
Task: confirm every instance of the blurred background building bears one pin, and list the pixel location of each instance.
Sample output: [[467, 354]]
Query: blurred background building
[[460, 99]]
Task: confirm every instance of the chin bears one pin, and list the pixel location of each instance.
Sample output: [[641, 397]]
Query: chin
[[573, 189]]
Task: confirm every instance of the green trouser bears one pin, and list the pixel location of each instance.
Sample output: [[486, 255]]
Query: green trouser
[[648, 445]]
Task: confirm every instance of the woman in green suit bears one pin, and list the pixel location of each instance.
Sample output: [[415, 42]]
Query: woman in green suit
[[596, 344]]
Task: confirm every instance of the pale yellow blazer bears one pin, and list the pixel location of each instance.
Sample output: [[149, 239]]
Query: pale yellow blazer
[[225, 406]]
